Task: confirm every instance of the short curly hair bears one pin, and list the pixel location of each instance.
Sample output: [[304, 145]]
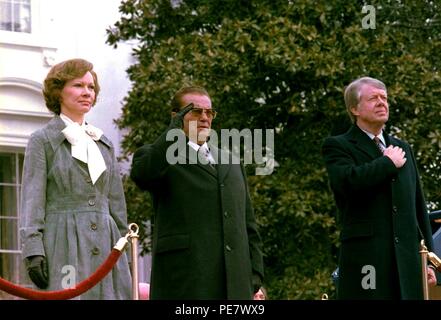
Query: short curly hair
[[60, 74]]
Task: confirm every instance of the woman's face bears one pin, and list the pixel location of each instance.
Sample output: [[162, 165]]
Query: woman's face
[[78, 96]]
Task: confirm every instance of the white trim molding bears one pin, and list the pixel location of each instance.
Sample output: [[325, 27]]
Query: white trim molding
[[20, 82], [22, 110]]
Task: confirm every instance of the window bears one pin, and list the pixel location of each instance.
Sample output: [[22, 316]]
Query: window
[[15, 15], [11, 266]]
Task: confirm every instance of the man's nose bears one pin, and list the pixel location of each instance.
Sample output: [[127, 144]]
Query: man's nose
[[382, 100], [204, 116]]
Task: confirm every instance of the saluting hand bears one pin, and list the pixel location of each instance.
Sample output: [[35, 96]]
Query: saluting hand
[[178, 119]]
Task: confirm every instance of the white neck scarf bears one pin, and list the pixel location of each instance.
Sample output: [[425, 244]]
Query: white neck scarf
[[84, 148]]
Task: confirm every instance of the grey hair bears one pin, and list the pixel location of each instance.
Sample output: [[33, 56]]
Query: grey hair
[[352, 92]]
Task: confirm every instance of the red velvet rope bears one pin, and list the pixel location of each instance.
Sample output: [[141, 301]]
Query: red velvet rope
[[70, 293]]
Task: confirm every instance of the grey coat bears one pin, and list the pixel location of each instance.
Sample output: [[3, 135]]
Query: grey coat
[[68, 219]]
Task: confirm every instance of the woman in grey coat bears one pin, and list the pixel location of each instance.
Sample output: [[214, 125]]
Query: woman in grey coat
[[73, 206]]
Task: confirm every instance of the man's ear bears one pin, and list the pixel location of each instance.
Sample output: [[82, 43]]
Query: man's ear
[[354, 111]]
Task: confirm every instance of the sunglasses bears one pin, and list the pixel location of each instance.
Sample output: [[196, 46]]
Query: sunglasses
[[197, 112]]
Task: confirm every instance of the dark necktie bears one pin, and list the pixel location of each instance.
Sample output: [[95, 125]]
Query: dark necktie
[[379, 144]]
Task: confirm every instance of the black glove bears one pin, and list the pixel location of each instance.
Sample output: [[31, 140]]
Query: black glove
[[161, 144], [37, 270], [178, 119], [257, 282]]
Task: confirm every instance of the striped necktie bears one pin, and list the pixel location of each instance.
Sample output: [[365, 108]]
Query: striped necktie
[[380, 145], [207, 158]]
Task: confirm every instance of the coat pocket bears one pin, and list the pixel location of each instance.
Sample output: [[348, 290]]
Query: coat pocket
[[357, 230], [174, 242]]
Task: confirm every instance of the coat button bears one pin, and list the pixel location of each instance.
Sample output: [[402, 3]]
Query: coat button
[[221, 185], [228, 247], [95, 251], [88, 180], [394, 209], [397, 240], [91, 202], [93, 226], [226, 214]]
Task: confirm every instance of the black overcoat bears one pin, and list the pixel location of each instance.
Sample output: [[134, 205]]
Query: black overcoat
[[205, 239], [380, 210]]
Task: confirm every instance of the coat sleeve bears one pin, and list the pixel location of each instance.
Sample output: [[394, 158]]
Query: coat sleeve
[[421, 207], [117, 201], [33, 197], [150, 161], [254, 239], [346, 176]]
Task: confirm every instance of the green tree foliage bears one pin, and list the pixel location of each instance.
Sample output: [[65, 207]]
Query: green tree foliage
[[283, 65]]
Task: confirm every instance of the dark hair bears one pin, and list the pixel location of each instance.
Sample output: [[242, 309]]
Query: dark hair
[[177, 103], [62, 73]]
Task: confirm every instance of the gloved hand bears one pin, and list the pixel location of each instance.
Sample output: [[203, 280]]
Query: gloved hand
[[257, 282], [178, 119], [38, 271]]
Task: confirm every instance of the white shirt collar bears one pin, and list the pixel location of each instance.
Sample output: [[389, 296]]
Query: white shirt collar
[[196, 147], [380, 136], [205, 148]]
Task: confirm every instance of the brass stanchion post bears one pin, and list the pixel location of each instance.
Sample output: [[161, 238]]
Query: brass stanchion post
[[423, 253], [133, 227]]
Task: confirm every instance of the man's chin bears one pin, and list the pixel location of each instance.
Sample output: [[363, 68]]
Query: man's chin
[[203, 134], [382, 119]]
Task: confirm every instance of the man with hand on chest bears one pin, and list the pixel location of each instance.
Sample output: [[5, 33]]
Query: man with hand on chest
[[382, 213]]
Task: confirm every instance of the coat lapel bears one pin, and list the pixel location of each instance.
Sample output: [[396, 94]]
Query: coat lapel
[[54, 134], [106, 141], [207, 167], [188, 155], [362, 142], [56, 137], [392, 141], [223, 162]]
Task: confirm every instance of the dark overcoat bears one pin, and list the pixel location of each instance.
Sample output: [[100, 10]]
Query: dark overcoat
[[381, 210], [205, 239]]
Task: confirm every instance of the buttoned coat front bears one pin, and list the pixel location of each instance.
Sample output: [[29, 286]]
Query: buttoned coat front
[[205, 239], [69, 220], [381, 209]]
